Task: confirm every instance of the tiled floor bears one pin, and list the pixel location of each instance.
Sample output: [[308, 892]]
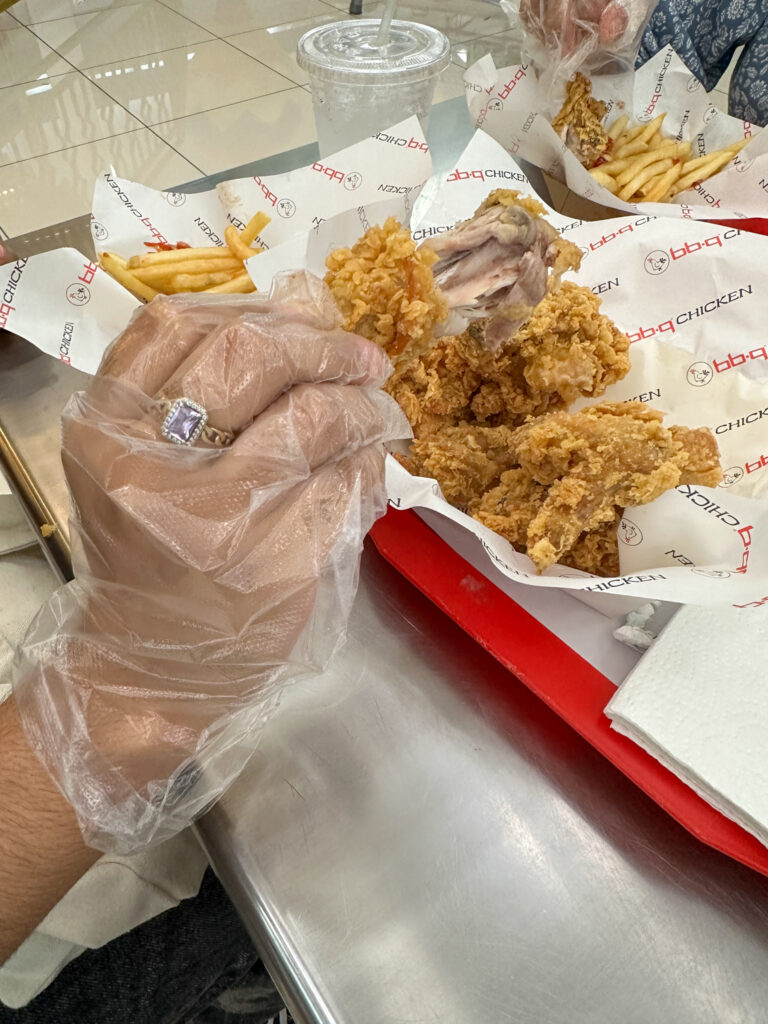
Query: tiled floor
[[167, 90]]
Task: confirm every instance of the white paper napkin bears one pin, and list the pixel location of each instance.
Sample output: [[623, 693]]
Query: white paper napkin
[[698, 702]]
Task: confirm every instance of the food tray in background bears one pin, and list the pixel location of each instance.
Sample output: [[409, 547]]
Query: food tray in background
[[572, 687]]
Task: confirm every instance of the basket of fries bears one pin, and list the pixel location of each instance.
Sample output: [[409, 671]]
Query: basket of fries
[[649, 141]]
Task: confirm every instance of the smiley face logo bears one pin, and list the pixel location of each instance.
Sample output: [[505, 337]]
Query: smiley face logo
[[175, 198], [657, 262], [286, 208], [100, 233], [353, 181], [699, 374], [78, 294], [731, 476], [630, 533]]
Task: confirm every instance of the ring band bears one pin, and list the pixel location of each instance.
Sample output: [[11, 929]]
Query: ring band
[[186, 421]]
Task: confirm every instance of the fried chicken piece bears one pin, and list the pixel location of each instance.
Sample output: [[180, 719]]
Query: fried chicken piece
[[385, 289], [465, 460], [508, 508], [597, 551], [566, 350], [603, 458], [578, 122], [497, 263]]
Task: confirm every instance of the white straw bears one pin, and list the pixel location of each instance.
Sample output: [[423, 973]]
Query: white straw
[[382, 37]]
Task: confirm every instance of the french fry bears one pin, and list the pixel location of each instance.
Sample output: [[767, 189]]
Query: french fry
[[165, 271], [151, 259], [668, 149], [236, 245], [239, 284], [256, 224], [618, 127], [651, 128], [716, 162], [117, 268], [199, 282], [630, 149], [604, 179], [644, 175], [664, 184]]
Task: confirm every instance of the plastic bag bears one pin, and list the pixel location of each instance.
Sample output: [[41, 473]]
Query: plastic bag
[[561, 37], [205, 578]]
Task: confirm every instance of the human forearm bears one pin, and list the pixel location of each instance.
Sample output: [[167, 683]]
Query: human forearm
[[42, 853]]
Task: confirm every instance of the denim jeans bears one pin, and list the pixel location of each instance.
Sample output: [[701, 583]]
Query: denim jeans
[[192, 965]]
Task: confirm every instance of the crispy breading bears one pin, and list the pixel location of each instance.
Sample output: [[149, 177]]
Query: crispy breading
[[465, 460], [566, 350], [557, 486], [602, 459], [384, 288], [578, 122]]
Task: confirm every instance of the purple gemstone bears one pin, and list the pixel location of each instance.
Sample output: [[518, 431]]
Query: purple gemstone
[[184, 423]]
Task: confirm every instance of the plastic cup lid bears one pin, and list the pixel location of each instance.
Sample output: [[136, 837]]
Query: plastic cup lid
[[348, 50]]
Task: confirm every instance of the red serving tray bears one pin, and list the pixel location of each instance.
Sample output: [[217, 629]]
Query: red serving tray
[[567, 683]]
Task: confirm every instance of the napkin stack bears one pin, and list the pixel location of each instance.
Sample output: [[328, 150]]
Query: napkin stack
[[698, 702]]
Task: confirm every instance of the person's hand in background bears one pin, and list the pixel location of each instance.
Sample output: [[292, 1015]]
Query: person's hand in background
[[565, 26]]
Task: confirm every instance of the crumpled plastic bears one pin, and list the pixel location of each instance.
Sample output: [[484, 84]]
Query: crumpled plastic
[[561, 37], [206, 579]]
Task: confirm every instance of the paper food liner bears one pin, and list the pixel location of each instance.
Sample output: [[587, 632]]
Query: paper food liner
[[72, 309], [688, 294], [513, 107]]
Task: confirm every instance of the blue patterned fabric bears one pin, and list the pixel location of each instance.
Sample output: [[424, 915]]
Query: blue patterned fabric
[[706, 33]]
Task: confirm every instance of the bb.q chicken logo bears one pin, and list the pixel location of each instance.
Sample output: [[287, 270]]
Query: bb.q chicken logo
[[699, 374]]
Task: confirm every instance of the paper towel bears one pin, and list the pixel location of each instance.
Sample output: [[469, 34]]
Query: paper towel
[[698, 702]]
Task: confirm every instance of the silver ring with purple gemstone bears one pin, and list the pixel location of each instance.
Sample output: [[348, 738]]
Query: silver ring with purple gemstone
[[186, 421]]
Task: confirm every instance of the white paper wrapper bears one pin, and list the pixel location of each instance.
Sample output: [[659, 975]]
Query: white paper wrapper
[[72, 310], [511, 106]]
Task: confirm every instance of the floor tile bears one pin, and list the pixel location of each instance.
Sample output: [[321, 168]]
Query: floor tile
[[6, 21], [51, 188], [225, 19], [504, 47], [175, 83], [24, 58], [276, 47], [32, 11], [58, 113], [234, 135], [119, 33]]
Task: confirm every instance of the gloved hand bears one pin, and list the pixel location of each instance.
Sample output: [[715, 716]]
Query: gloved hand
[[565, 25], [205, 578], [566, 36]]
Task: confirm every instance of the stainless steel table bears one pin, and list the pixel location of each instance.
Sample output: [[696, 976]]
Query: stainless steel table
[[418, 839]]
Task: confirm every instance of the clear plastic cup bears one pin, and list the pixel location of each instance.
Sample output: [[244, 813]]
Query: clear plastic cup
[[358, 87]]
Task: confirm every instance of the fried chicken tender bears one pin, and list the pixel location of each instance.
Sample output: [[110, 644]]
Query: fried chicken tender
[[566, 350], [385, 289], [602, 459], [557, 486], [465, 460], [578, 122]]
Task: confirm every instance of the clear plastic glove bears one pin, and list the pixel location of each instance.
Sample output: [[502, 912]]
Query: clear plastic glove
[[592, 36], [205, 577]]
